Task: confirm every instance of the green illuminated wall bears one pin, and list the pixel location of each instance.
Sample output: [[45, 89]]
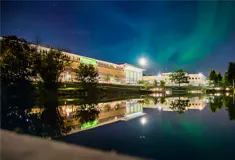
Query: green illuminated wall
[[88, 61]]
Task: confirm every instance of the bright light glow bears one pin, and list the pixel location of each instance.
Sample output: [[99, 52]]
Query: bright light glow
[[142, 61], [159, 108], [200, 74], [143, 121], [227, 94], [168, 92], [200, 108], [227, 88], [217, 94], [159, 75], [67, 76]]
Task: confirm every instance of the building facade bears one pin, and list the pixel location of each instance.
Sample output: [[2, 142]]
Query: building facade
[[132, 74], [194, 79], [108, 72]]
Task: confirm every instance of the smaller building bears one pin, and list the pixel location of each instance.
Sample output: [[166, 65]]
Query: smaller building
[[132, 73], [194, 79]]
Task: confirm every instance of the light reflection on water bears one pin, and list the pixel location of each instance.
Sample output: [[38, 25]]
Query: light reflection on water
[[196, 124], [78, 117]]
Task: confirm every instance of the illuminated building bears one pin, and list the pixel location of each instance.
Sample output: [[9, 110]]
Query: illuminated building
[[194, 79], [117, 73]]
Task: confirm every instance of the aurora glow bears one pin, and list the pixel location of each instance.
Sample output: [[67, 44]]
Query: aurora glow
[[196, 36]]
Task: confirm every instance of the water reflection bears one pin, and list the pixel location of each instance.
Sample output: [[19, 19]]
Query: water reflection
[[178, 104], [49, 116], [87, 116]]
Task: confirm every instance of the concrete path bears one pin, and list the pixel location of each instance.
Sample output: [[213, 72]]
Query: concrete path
[[23, 147]]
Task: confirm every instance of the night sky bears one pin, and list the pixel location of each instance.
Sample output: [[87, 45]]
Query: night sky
[[195, 36]]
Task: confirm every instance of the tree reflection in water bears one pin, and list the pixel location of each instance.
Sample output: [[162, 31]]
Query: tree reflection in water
[[16, 105], [17, 113], [216, 103], [19, 99], [88, 111], [162, 100], [179, 105], [53, 124]]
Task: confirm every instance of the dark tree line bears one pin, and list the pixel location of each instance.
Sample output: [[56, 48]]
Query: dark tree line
[[227, 80], [22, 64]]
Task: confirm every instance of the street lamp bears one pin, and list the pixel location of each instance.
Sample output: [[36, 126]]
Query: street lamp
[[142, 61]]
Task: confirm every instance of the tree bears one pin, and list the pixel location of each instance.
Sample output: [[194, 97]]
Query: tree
[[16, 60], [37, 40], [145, 86], [155, 83], [141, 81], [162, 84], [225, 81], [212, 76], [219, 78], [231, 73], [87, 74], [179, 77], [49, 66]]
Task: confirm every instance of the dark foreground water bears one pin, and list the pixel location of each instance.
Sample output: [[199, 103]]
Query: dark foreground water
[[186, 127]]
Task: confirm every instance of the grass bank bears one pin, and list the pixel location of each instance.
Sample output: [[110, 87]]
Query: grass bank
[[186, 89], [76, 89]]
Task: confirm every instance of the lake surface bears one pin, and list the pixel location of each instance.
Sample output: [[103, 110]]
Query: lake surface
[[149, 126]]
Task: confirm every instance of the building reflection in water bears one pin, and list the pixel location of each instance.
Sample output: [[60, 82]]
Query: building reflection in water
[[189, 103], [123, 110], [109, 112]]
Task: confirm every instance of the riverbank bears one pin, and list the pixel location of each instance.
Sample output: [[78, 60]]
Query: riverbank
[[38, 148], [197, 89], [103, 89]]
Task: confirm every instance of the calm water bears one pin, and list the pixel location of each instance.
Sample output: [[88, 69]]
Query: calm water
[[186, 127]]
